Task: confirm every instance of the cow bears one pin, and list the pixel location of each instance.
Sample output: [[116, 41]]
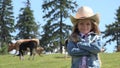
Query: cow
[[22, 45], [32, 45], [12, 46]]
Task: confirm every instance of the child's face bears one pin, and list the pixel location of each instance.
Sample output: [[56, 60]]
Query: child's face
[[84, 26]]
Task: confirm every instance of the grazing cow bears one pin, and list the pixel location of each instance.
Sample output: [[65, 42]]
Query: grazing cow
[[32, 45], [38, 50], [23, 44]]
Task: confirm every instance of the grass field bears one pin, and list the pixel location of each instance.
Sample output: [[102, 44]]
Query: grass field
[[54, 61], [110, 60]]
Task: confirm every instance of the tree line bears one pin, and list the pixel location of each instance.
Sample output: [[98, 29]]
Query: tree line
[[55, 30]]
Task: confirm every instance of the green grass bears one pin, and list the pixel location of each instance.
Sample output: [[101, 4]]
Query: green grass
[[54, 61], [111, 60], [44, 61]]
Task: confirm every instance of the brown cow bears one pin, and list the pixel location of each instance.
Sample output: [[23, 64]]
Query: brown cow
[[18, 42], [23, 44], [38, 50]]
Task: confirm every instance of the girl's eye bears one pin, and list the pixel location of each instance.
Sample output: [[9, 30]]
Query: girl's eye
[[88, 24], [81, 23]]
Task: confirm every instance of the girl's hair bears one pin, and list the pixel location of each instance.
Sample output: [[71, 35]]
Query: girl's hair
[[95, 28], [74, 36]]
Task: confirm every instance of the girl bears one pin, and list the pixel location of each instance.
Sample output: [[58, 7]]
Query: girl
[[84, 43]]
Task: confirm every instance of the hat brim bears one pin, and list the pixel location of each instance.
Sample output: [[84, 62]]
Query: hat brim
[[94, 17]]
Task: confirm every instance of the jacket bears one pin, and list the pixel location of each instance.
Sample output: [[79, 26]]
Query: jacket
[[89, 49]]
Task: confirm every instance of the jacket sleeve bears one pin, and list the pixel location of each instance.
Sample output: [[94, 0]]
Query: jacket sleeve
[[75, 51], [94, 47]]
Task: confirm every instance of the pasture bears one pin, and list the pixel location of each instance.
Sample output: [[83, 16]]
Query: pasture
[[109, 60]]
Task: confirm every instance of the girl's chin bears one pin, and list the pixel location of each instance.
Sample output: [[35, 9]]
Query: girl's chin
[[85, 32]]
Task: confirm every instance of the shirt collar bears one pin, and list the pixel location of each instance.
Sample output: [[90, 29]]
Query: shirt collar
[[81, 34]]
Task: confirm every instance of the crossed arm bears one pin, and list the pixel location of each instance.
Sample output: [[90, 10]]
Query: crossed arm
[[83, 48]]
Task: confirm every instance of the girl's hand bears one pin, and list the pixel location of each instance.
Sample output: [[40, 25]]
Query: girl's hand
[[83, 44]]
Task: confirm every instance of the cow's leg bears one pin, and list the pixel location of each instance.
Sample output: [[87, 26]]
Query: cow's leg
[[21, 53], [32, 49], [31, 52]]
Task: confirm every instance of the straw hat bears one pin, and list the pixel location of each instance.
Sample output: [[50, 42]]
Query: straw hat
[[85, 12]]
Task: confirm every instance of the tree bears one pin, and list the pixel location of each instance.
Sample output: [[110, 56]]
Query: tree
[[26, 25], [113, 30], [6, 21], [56, 11]]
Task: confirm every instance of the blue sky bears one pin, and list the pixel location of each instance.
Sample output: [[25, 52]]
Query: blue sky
[[106, 9]]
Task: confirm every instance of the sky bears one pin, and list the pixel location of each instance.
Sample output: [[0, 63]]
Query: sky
[[105, 8]]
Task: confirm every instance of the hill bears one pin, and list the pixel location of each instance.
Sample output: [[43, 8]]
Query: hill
[[109, 60]]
